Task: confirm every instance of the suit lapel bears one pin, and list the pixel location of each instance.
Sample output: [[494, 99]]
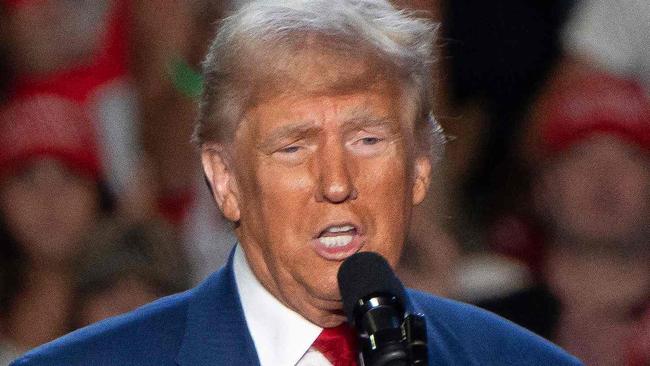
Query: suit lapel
[[216, 333], [444, 346]]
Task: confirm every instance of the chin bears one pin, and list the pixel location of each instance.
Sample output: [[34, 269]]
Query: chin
[[324, 313], [330, 320]]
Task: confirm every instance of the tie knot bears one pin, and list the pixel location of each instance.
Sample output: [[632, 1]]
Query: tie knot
[[338, 345]]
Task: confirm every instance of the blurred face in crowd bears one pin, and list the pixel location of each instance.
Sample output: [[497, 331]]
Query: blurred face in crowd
[[600, 189], [315, 175], [47, 35], [598, 192], [47, 208]]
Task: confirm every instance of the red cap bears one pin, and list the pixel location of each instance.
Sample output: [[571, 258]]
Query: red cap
[[47, 126], [12, 4], [595, 103]]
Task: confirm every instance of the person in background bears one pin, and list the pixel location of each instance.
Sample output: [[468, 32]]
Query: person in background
[[127, 62], [131, 65], [588, 149], [51, 192], [125, 265], [80, 50], [592, 193]]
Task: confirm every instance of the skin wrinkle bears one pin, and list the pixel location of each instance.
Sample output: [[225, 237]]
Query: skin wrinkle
[[357, 119], [317, 65]]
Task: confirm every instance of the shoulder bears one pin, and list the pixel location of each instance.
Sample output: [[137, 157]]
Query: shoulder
[[150, 335], [483, 337]]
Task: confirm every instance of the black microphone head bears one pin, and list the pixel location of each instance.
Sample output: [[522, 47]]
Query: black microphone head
[[365, 274]]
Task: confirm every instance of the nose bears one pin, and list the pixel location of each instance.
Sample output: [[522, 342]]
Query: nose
[[335, 183]]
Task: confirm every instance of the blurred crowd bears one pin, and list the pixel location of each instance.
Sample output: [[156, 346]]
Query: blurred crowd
[[540, 211]]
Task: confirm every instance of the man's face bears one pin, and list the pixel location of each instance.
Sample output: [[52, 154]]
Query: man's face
[[312, 179]]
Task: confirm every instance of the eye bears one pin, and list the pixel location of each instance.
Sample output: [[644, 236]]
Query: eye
[[367, 141], [368, 144], [370, 140], [294, 153], [290, 149]]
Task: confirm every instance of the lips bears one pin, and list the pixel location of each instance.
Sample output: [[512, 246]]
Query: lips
[[338, 241]]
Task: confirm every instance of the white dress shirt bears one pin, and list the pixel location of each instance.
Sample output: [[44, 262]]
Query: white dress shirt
[[281, 336]]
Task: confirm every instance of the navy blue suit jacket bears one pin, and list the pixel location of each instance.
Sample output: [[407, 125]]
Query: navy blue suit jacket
[[206, 326]]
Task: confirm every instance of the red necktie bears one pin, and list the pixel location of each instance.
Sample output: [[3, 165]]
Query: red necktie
[[338, 345]]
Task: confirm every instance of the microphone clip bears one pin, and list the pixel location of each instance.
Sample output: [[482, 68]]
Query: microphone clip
[[391, 337], [415, 338]]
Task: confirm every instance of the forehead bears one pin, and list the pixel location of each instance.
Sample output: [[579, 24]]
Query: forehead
[[327, 79], [282, 78], [379, 105]]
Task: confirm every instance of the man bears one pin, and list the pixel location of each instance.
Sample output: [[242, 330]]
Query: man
[[589, 150], [315, 139]]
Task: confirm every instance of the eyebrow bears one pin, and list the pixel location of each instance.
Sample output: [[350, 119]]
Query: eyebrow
[[362, 117], [361, 122], [356, 119], [290, 130]]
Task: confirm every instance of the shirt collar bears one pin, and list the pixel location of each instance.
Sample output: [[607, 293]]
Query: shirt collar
[[281, 335]]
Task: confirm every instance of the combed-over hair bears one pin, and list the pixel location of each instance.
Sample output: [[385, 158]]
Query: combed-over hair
[[256, 51]]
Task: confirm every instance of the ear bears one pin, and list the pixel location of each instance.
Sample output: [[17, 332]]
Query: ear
[[422, 179], [221, 178]]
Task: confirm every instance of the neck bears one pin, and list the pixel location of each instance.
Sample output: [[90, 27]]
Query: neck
[[40, 311]]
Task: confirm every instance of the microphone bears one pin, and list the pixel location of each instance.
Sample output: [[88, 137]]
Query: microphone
[[373, 301]]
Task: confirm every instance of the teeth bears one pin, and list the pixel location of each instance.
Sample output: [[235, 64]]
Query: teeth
[[335, 241], [338, 229]]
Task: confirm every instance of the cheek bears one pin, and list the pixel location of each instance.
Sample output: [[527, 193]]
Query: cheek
[[80, 206], [385, 191], [573, 185], [387, 199], [386, 184], [274, 201], [633, 185], [21, 211], [285, 191]]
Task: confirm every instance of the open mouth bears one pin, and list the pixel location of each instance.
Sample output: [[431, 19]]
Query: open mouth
[[337, 236], [337, 242]]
